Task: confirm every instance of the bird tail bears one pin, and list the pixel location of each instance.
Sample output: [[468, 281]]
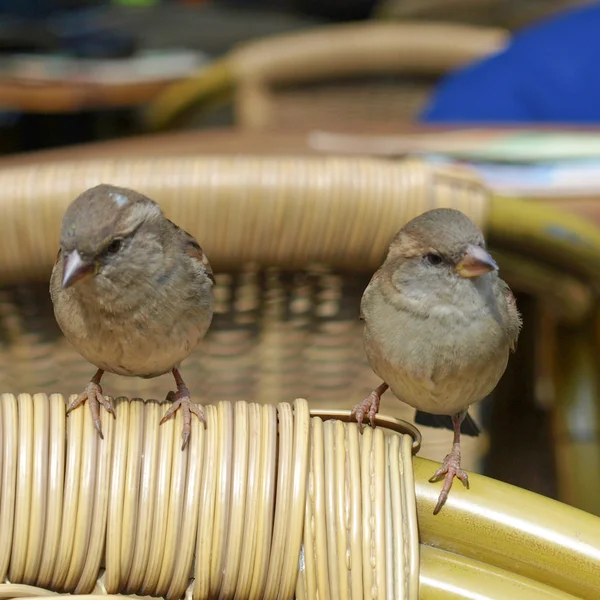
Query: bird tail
[[467, 427]]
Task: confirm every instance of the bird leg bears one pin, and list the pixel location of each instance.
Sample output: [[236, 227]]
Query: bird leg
[[181, 399], [369, 406], [94, 396], [451, 467]]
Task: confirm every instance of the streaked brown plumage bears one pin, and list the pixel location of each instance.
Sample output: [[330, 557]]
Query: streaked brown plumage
[[131, 291]]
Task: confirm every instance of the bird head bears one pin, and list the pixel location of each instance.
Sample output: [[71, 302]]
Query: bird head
[[112, 238], [439, 251]]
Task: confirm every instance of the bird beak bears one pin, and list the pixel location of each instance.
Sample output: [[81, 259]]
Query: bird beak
[[475, 262], [76, 269]]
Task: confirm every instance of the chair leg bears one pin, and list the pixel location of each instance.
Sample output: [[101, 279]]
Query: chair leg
[[577, 414], [519, 415]]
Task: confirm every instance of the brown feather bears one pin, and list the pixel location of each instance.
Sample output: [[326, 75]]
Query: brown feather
[[193, 249]]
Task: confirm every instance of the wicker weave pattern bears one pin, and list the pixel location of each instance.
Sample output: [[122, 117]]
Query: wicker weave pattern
[[284, 212], [293, 243], [237, 498], [275, 335]]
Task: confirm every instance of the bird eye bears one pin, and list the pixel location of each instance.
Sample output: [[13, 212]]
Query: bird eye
[[114, 246], [433, 259]]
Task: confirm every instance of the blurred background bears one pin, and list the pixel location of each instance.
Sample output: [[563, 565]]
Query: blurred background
[[504, 90]]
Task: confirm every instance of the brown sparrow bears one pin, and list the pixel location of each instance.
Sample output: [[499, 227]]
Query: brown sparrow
[[132, 292], [439, 324]]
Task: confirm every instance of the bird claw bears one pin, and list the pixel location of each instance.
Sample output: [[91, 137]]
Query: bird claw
[[449, 470], [183, 401], [94, 397], [369, 407]]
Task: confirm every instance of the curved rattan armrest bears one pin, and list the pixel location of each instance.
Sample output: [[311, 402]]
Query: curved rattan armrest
[[447, 575], [229, 512], [291, 212], [515, 530], [133, 513], [363, 48], [334, 51], [294, 212]]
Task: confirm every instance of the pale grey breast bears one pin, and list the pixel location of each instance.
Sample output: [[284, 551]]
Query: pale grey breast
[[440, 364]]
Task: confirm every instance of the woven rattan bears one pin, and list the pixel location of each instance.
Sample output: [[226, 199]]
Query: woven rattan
[[258, 488], [293, 242], [266, 502]]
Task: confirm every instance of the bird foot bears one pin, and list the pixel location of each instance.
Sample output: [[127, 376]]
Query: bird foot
[[368, 407], [94, 397], [449, 470], [182, 400]]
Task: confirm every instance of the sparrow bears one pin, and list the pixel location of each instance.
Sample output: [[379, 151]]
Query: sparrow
[[132, 292], [439, 325]]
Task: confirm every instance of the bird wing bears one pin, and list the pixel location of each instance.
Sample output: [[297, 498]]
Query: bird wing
[[376, 276], [513, 318], [192, 248]]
